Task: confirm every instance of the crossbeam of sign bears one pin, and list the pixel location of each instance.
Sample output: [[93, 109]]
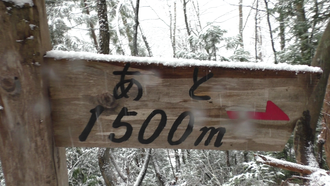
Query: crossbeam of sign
[[142, 105], [273, 112]]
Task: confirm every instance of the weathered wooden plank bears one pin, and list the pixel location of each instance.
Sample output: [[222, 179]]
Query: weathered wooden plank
[[78, 86], [27, 151]]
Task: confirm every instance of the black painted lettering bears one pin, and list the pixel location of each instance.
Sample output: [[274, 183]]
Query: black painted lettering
[[159, 129], [118, 123], [131, 82], [175, 127], [96, 112], [197, 83], [221, 132]]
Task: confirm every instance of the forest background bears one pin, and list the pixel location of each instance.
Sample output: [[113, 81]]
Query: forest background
[[243, 30]]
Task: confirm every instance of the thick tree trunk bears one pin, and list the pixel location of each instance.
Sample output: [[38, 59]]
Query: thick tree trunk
[[104, 163], [104, 39], [321, 59], [27, 150]]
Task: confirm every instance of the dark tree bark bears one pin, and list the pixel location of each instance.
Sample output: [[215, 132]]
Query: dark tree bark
[[227, 158], [321, 59], [135, 49], [104, 39], [303, 139], [104, 163]]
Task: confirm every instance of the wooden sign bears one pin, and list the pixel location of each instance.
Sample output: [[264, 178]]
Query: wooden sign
[[141, 105]]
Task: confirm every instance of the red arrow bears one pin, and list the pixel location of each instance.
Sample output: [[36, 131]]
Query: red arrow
[[273, 112]]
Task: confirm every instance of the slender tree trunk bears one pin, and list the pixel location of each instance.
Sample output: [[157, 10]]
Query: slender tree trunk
[[113, 161], [174, 30], [256, 32], [91, 26], [245, 156], [240, 27], [172, 168], [187, 24], [146, 42], [104, 38], [270, 32], [282, 26], [177, 160], [143, 170], [160, 177], [227, 158], [135, 48]]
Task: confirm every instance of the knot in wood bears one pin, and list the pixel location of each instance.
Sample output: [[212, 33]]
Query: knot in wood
[[106, 100], [8, 84]]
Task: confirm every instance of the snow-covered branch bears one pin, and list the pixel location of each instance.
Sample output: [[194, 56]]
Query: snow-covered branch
[[304, 169]]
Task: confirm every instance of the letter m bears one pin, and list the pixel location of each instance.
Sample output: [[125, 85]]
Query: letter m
[[221, 132]]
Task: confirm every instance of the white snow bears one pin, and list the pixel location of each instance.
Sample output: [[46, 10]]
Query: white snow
[[20, 2], [32, 26], [320, 178], [57, 54]]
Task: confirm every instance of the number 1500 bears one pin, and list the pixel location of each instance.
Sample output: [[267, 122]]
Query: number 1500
[[97, 111]]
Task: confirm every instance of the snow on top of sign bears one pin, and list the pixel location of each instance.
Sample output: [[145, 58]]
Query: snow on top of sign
[[20, 2], [57, 54]]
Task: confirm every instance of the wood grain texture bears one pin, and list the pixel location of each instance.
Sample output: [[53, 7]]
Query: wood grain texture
[[27, 151], [78, 86]]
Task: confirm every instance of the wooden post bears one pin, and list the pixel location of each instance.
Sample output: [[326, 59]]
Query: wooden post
[[27, 150]]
